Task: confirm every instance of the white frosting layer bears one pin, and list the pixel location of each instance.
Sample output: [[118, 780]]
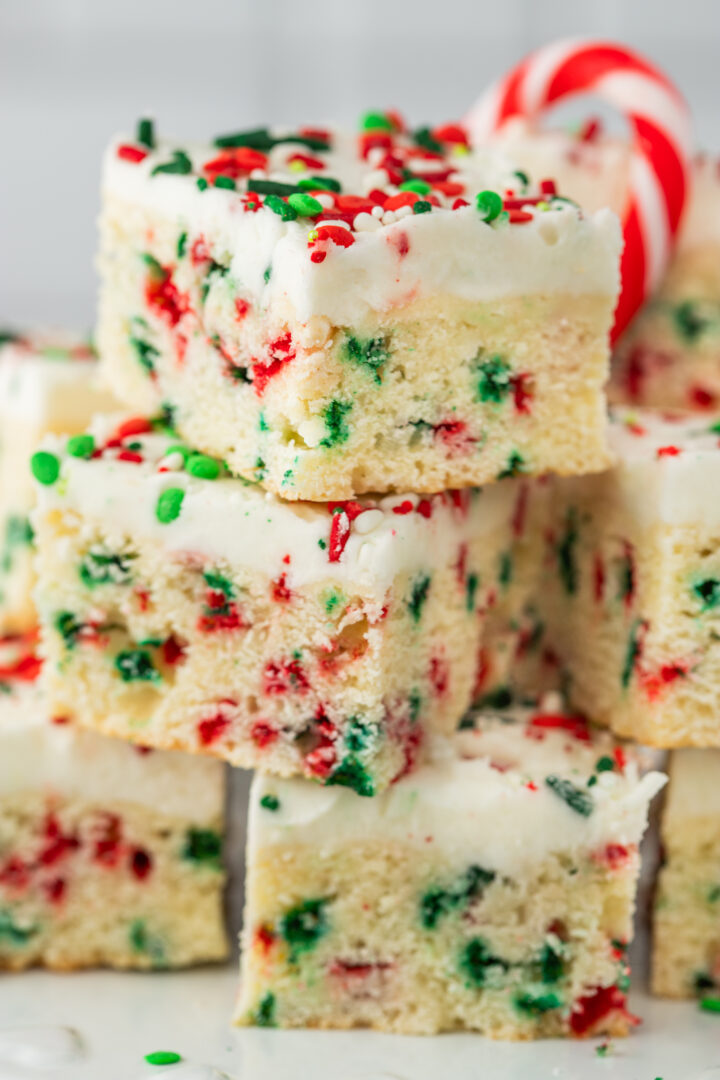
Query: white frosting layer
[[594, 172], [50, 380], [668, 465], [38, 755], [231, 520], [448, 251], [484, 800]]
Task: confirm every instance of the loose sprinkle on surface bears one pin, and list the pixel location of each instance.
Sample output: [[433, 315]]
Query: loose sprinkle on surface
[[163, 1057]]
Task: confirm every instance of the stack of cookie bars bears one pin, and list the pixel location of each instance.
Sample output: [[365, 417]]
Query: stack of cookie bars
[[365, 425]]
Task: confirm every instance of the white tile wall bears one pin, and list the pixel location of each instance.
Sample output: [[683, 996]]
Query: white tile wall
[[74, 71]]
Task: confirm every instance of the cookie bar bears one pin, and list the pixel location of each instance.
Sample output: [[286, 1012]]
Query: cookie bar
[[632, 596], [334, 315], [686, 940], [670, 356], [186, 608], [109, 853], [491, 890], [48, 382]]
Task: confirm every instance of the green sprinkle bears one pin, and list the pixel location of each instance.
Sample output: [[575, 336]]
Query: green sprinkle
[[418, 596], [422, 206], [710, 1004], [226, 182], [577, 799], [437, 902], [523, 178], [270, 802], [12, 932], [202, 183], [352, 774], [505, 570], [181, 245], [180, 165], [714, 894], [143, 940], [371, 353], [275, 188], [45, 467], [302, 926], [202, 466], [219, 583], [202, 846], [334, 417], [421, 187], [376, 121], [146, 353], [566, 553], [490, 205], [267, 273], [500, 698], [136, 665], [322, 183], [478, 964], [178, 448], [280, 207], [552, 965], [305, 205], [690, 320], [169, 505], [105, 568], [424, 137], [261, 139], [322, 544], [81, 446], [471, 585], [163, 1057], [145, 133], [265, 1013], [536, 1004], [632, 653], [708, 593], [514, 466], [495, 380], [604, 764]]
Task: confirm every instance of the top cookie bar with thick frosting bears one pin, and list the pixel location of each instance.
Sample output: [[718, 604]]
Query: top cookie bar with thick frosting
[[336, 314], [339, 226]]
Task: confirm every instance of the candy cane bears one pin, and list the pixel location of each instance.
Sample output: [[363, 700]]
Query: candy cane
[[661, 142]]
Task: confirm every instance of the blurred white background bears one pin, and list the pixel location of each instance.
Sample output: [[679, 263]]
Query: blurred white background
[[72, 72]]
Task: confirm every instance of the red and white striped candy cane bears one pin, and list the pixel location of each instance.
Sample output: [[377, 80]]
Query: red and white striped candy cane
[[661, 142]]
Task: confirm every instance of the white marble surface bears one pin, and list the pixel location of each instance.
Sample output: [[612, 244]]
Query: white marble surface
[[120, 1018]]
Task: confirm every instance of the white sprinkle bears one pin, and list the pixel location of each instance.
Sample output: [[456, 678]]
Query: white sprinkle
[[368, 521], [367, 222]]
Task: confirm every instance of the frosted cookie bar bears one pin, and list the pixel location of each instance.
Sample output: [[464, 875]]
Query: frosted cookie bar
[[670, 357], [686, 941], [633, 597], [335, 315], [186, 608], [48, 382], [109, 853], [491, 890]]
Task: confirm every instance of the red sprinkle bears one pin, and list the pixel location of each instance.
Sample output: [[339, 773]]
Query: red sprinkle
[[263, 734], [140, 864], [126, 152], [668, 451], [588, 1011], [210, 729], [574, 725], [279, 590]]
